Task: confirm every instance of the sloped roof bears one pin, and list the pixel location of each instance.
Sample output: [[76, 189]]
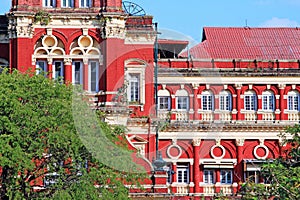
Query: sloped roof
[[248, 43]]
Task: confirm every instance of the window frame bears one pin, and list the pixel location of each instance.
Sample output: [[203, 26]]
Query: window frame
[[268, 101], [136, 66], [134, 84], [40, 70], [74, 72], [90, 76], [47, 3], [68, 3], [182, 103], [182, 174], [250, 101], [62, 69], [209, 178], [87, 3], [166, 105], [228, 176], [207, 101], [225, 101], [293, 101]]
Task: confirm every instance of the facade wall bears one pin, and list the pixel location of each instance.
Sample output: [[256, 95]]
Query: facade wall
[[219, 118]]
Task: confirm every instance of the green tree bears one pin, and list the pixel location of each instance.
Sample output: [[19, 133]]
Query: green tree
[[41, 144], [283, 173]]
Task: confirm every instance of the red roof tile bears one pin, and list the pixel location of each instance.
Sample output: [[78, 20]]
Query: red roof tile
[[248, 43]]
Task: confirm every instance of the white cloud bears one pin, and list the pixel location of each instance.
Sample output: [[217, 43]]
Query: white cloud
[[280, 22]]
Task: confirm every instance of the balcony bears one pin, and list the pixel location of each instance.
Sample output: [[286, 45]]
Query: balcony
[[212, 189], [183, 189], [268, 116], [225, 116], [226, 189], [164, 114], [293, 116], [182, 115], [250, 116], [207, 116], [209, 190]]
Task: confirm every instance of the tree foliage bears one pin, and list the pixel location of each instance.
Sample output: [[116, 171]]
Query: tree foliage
[[283, 173], [41, 154]]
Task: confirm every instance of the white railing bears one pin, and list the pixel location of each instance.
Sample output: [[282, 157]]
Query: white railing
[[183, 189], [225, 116], [226, 189], [294, 116], [163, 115], [209, 189], [250, 116], [208, 116], [269, 116], [182, 116]]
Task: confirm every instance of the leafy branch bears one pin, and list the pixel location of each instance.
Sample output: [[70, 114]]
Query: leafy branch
[[42, 17]]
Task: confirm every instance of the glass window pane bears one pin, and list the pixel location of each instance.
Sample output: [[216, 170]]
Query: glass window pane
[[134, 87], [77, 73], [93, 76]]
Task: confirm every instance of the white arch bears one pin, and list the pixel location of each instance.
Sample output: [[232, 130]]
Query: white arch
[[41, 48], [164, 93], [135, 62], [181, 93], [57, 49], [268, 92], [250, 92], [93, 49], [225, 92], [293, 93], [77, 49]]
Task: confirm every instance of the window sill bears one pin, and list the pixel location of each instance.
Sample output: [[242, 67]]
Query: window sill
[[243, 111], [291, 112]]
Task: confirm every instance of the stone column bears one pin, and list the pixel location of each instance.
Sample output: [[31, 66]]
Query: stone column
[[58, 3], [76, 4], [218, 181], [173, 104], [238, 169], [174, 178], [196, 104], [259, 106], [282, 104], [238, 101], [196, 169], [68, 70], [85, 74], [277, 107], [50, 68]]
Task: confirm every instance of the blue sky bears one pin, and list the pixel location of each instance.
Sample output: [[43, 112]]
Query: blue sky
[[186, 18]]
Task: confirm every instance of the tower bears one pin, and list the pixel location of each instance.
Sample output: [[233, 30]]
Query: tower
[[85, 42]]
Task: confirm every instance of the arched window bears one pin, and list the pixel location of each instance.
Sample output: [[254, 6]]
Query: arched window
[[293, 100], [164, 100], [182, 100], [207, 100], [250, 100], [268, 101], [225, 100]]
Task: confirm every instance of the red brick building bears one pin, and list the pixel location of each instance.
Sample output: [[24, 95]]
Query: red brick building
[[221, 105]]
